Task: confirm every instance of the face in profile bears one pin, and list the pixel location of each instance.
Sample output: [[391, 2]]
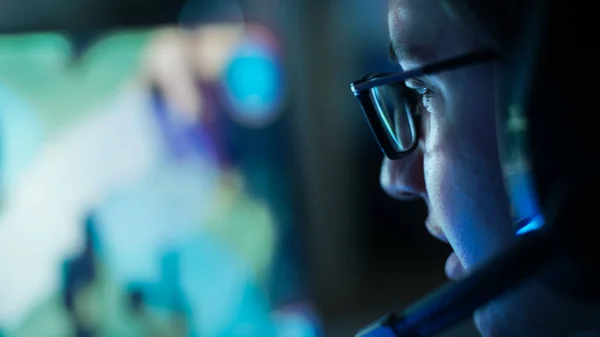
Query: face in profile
[[456, 169]]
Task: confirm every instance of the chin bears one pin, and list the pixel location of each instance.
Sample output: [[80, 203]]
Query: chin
[[535, 311]]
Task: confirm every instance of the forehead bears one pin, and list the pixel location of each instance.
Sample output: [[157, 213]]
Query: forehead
[[421, 32]]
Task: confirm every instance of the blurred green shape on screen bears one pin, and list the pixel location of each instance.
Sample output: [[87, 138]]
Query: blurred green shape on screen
[[43, 71]]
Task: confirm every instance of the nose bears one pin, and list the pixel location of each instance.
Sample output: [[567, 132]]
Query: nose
[[404, 179]]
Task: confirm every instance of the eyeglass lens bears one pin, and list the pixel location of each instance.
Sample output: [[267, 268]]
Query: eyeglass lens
[[395, 115]]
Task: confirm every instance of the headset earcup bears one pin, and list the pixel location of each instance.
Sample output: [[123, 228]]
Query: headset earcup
[[548, 79]]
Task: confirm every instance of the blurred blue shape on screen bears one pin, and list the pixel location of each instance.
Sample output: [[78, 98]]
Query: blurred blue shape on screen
[[164, 293], [297, 324], [158, 212], [222, 296], [254, 82]]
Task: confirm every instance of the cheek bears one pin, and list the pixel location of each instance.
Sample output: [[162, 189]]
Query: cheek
[[463, 177]]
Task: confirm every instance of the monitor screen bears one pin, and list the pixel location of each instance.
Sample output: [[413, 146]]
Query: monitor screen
[[145, 190]]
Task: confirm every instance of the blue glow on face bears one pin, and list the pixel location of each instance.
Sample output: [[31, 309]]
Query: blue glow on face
[[535, 224]]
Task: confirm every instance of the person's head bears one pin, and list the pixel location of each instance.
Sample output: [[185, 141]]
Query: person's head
[[454, 165]]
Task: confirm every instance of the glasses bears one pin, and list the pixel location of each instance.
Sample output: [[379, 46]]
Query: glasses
[[392, 109]]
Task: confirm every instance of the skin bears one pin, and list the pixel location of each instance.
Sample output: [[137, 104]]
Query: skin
[[456, 171]]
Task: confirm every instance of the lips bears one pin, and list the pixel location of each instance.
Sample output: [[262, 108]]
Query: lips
[[454, 268], [435, 231]]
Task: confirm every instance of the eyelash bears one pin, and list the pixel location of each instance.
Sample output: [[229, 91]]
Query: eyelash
[[424, 97]]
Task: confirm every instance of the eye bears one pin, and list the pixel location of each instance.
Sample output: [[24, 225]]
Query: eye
[[422, 98], [425, 98], [423, 93]]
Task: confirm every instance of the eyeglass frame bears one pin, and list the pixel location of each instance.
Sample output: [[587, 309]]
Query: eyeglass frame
[[361, 89]]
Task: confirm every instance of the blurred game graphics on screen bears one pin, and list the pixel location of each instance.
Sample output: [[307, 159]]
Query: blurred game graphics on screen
[[145, 187]]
